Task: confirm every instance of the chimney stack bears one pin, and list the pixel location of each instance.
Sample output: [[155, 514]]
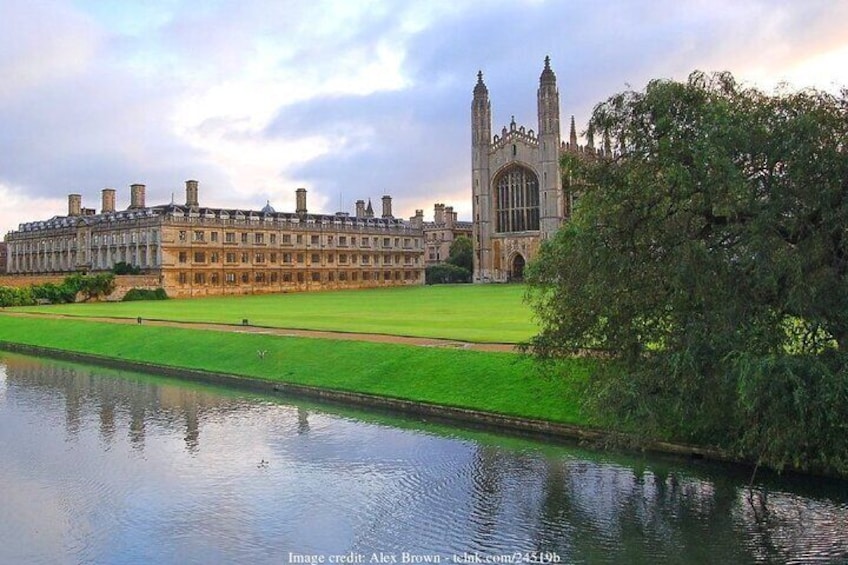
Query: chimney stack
[[191, 193], [301, 201], [439, 214], [417, 221], [136, 196], [360, 208], [74, 204], [387, 207], [450, 217], [108, 200]]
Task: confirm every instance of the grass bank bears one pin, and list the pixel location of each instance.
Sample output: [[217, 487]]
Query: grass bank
[[502, 383], [477, 313]]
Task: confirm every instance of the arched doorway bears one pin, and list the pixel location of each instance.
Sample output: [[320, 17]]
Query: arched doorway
[[517, 272]]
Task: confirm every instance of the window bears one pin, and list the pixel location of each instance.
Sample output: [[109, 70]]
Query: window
[[273, 257], [214, 279], [516, 200], [386, 242], [342, 258], [230, 278], [342, 241], [259, 277], [299, 239], [199, 235], [330, 258], [287, 257], [329, 240], [286, 239], [231, 257], [300, 277], [199, 278], [314, 240], [245, 257], [316, 277], [273, 238], [315, 259], [199, 257], [245, 278], [182, 278], [300, 258], [260, 258], [230, 237], [214, 257], [183, 257], [214, 237], [182, 235], [259, 238], [274, 277]]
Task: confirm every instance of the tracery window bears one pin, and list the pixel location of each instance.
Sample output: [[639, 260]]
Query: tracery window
[[516, 200]]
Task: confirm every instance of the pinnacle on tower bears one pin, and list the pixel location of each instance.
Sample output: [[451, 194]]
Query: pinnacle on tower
[[548, 76], [480, 90], [572, 139]]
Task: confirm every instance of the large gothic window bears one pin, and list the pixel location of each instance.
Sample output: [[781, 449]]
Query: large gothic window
[[516, 200]]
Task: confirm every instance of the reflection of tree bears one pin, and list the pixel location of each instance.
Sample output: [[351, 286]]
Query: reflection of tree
[[302, 420], [487, 495]]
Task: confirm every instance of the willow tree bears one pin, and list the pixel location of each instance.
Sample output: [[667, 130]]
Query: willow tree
[[708, 259]]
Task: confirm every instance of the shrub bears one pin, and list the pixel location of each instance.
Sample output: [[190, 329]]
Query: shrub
[[145, 294]]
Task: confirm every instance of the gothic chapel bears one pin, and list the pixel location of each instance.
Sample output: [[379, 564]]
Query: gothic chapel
[[518, 198]]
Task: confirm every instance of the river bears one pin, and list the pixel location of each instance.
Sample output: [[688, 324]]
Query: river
[[104, 466]]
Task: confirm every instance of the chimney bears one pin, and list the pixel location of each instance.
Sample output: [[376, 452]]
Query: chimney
[[191, 193], [108, 200], [450, 217], [360, 208], [301, 201], [439, 214], [74, 204], [136, 196], [387, 207], [417, 221]]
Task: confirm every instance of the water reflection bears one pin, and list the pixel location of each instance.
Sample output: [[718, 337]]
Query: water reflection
[[102, 466]]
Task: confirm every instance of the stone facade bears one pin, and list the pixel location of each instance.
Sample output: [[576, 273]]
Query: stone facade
[[199, 251], [517, 187], [441, 232]]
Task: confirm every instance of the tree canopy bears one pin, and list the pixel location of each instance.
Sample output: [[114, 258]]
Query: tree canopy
[[708, 258], [461, 253]]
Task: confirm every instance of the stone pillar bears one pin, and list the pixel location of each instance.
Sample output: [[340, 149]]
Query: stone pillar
[[360, 208], [74, 204], [108, 200], [417, 221], [136, 196], [387, 206], [191, 193]]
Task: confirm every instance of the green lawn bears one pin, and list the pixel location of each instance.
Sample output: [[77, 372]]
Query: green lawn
[[503, 383], [477, 313]]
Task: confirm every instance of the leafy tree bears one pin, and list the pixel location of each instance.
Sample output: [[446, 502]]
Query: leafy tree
[[124, 268], [92, 287], [461, 253], [709, 260]]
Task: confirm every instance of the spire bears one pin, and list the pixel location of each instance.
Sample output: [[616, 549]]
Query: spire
[[548, 76], [480, 90], [572, 138], [369, 210]]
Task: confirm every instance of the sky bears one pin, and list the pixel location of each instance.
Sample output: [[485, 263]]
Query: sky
[[350, 99]]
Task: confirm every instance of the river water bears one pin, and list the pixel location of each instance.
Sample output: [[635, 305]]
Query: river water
[[102, 466]]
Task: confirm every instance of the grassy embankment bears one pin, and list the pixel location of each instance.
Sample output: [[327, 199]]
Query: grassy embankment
[[494, 382], [477, 313]]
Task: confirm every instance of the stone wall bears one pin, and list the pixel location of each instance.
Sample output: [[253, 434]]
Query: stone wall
[[123, 283]]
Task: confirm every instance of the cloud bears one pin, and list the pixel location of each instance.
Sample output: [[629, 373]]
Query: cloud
[[255, 98]]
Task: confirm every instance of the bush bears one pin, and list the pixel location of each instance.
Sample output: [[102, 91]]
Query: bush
[[11, 296], [446, 273], [145, 294]]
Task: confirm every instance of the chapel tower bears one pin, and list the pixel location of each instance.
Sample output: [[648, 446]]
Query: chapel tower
[[516, 184]]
